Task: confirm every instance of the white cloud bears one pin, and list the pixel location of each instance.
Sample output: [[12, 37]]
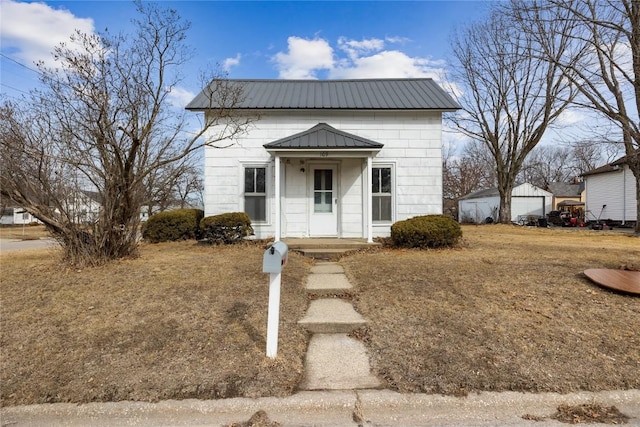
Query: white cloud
[[303, 58], [32, 30], [388, 64], [571, 117], [355, 48], [231, 62], [180, 96], [359, 59], [397, 40]]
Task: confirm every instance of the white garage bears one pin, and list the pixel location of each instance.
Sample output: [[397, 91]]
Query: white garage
[[526, 201]]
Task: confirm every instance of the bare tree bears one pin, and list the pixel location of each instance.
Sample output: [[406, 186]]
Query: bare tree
[[510, 96], [547, 164], [103, 124], [462, 174], [173, 185], [468, 172], [189, 188], [588, 155], [607, 32]]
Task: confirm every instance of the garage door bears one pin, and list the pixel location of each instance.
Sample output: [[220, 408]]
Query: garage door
[[527, 206]]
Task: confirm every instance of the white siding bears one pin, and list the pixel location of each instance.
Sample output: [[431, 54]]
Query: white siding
[[616, 190], [294, 198], [350, 208], [477, 210], [412, 141]]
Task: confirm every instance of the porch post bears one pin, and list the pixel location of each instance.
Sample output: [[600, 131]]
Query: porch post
[[369, 202], [277, 197]]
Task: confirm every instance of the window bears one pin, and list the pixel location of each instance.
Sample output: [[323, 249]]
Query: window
[[381, 194], [255, 195], [323, 190]]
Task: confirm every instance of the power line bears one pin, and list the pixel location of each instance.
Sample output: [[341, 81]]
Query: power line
[[14, 88], [20, 64]]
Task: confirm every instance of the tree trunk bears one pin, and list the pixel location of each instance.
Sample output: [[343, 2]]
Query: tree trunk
[[505, 204]]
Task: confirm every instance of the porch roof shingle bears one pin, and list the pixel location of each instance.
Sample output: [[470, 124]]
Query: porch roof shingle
[[365, 94], [323, 136]]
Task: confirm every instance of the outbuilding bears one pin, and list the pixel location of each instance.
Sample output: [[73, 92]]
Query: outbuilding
[[527, 201]]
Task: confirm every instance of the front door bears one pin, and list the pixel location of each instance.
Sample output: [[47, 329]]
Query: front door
[[323, 218]]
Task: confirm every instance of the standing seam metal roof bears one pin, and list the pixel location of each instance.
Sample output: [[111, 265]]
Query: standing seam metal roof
[[323, 136], [372, 94]]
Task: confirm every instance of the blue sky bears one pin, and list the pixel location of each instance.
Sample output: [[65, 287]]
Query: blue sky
[[255, 39], [268, 40]]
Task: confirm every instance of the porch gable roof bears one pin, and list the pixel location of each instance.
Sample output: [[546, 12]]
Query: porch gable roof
[[323, 137]]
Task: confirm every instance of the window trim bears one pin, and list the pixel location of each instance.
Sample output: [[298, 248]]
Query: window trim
[[392, 194], [267, 189]]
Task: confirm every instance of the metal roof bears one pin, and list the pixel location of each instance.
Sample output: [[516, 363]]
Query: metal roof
[[489, 192], [369, 94], [323, 136]]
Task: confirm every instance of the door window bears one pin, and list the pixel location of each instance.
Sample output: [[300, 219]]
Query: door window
[[323, 191]]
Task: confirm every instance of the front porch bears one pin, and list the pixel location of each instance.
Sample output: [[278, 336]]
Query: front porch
[[326, 248], [322, 185]]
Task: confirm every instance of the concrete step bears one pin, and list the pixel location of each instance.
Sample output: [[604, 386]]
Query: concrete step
[[327, 283], [323, 253], [331, 316], [327, 268], [327, 243], [326, 248], [337, 362]]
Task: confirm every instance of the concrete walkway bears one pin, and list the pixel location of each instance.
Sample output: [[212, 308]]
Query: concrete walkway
[[334, 361]]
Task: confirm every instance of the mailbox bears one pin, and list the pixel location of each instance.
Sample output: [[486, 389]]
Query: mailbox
[[275, 257]]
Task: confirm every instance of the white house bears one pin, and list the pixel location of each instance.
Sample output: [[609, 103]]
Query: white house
[[526, 201], [610, 193], [83, 206], [16, 216], [331, 158]]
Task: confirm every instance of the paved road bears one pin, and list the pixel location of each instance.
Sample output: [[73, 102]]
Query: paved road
[[7, 245]]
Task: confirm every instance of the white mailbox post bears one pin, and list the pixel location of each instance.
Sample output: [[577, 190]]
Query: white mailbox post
[[273, 260]]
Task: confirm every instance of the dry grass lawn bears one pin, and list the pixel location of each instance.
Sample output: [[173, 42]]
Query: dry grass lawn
[[26, 232], [508, 310], [181, 321]]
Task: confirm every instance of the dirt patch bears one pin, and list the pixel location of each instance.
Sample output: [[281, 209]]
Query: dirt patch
[[181, 321], [259, 419], [508, 310], [589, 413]]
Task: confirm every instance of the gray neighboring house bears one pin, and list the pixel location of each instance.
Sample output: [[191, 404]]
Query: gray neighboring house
[[330, 158], [565, 195]]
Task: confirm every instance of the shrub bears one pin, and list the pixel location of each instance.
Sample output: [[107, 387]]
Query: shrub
[[428, 231], [226, 228], [178, 224]]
